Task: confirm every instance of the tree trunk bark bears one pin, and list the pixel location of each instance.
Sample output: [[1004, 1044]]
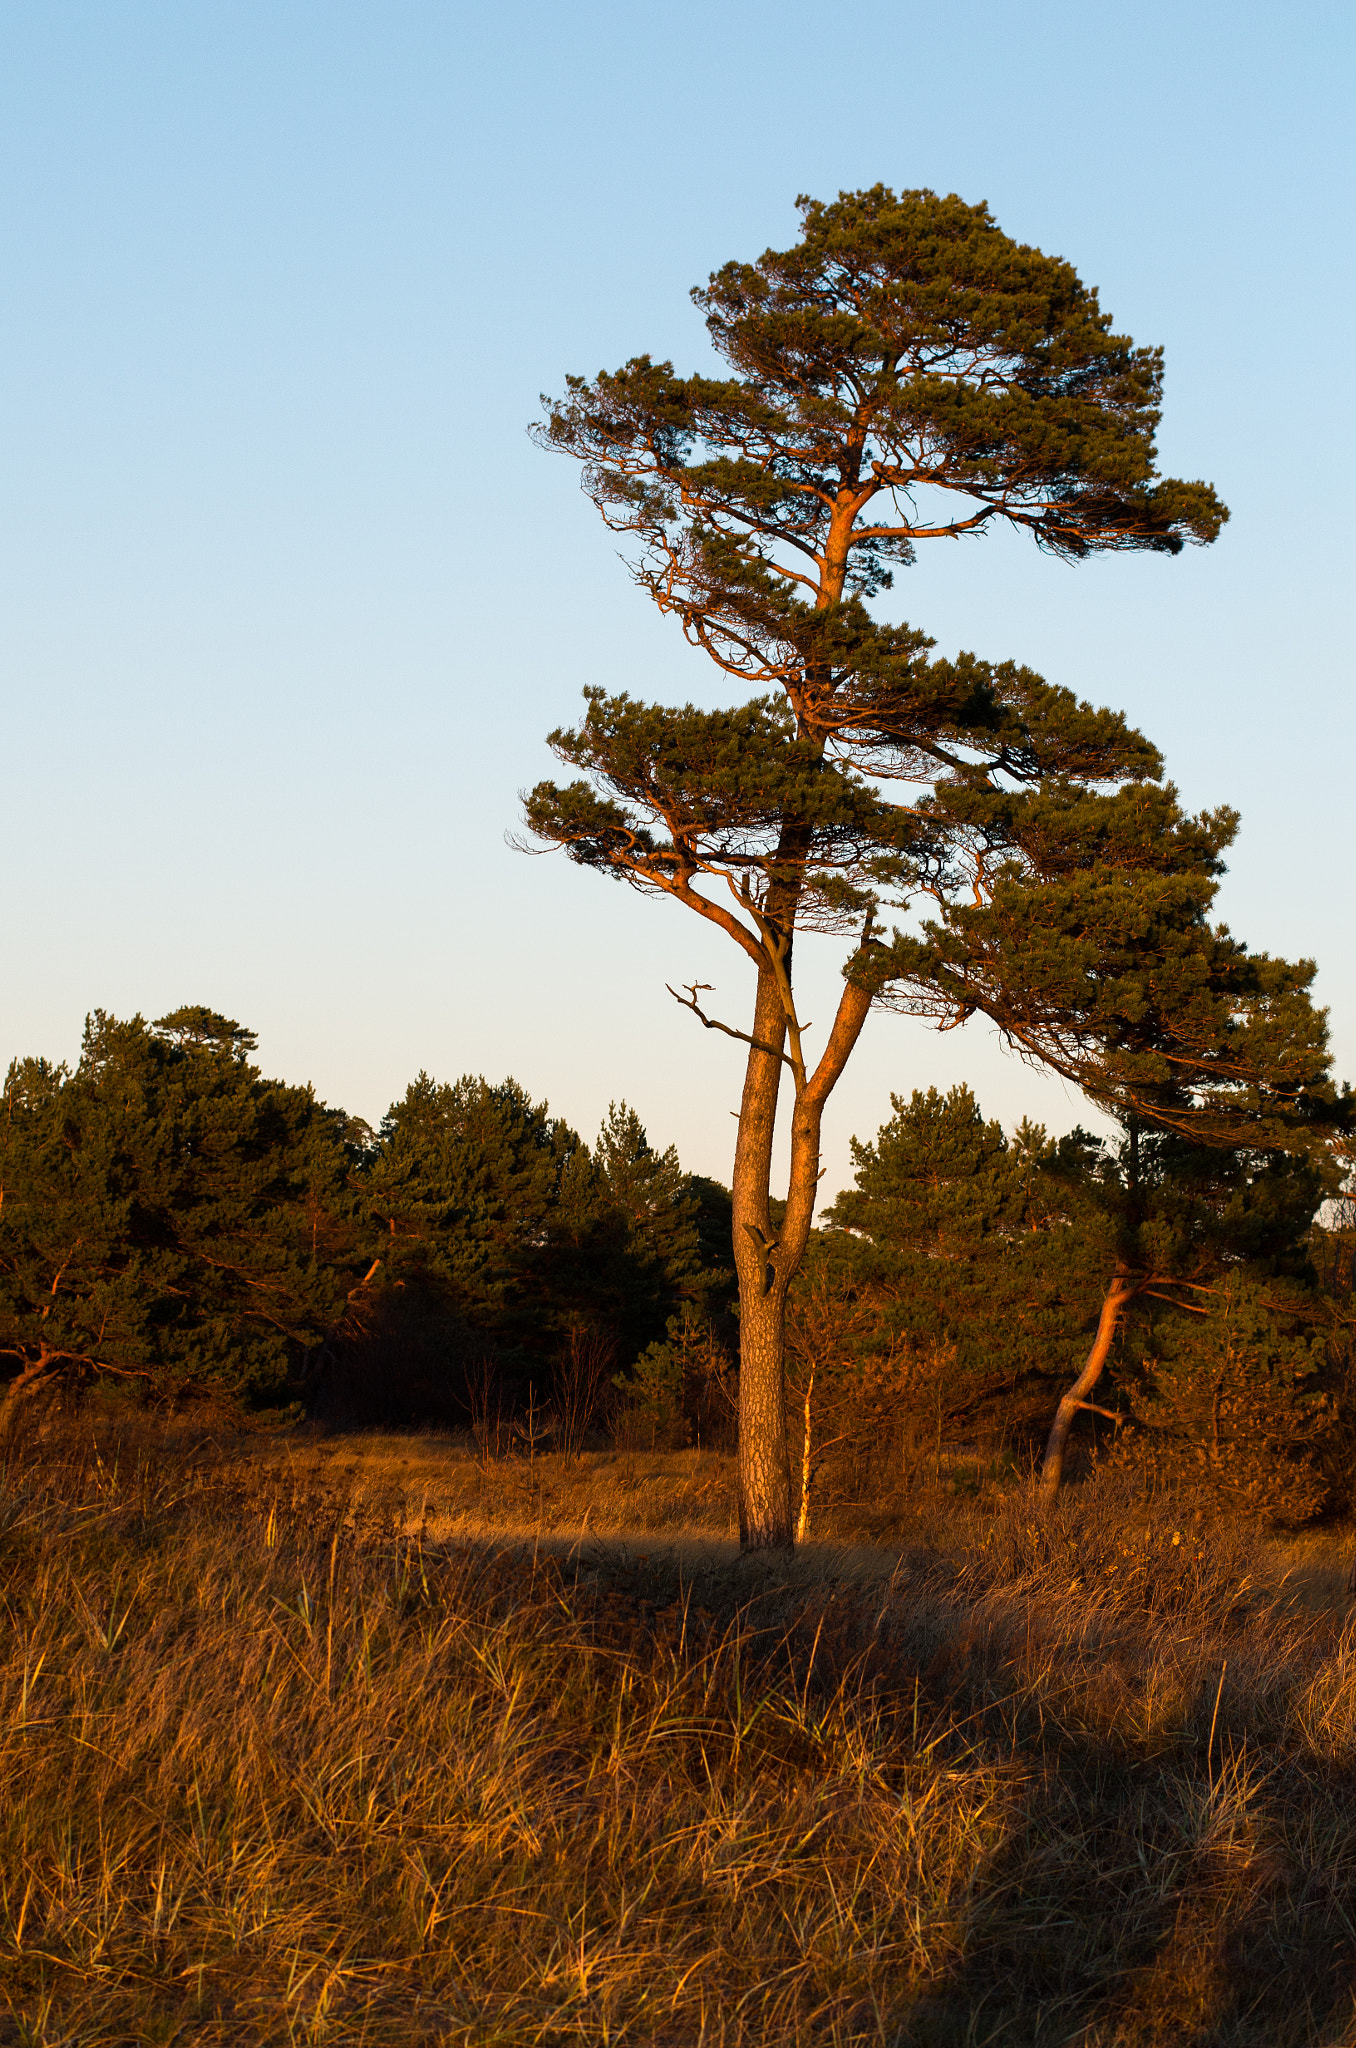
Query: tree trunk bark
[[764, 1464], [27, 1381], [1120, 1291], [767, 1264], [765, 1513]]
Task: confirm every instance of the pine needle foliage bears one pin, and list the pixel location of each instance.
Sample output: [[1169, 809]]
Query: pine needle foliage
[[496, 1209], [169, 1215], [985, 1246], [1231, 1405]]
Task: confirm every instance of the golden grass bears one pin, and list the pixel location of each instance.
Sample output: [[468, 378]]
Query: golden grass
[[436, 1483], [293, 1752]]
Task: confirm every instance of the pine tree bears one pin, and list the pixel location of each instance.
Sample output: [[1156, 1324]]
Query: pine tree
[[906, 372], [937, 1179], [961, 1262], [1230, 1402], [648, 1225], [484, 1200], [1185, 1222], [169, 1215], [505, 1241], [678, 1390]]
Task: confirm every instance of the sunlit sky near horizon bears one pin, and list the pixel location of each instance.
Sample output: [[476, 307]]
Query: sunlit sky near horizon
[[289, 600]]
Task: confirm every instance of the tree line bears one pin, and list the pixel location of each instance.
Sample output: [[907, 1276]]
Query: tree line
[[172, 1218]]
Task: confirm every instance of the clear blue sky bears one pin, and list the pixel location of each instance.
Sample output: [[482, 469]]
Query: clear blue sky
[[289, 600]]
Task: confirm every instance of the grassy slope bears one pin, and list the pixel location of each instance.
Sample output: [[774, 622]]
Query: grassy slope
[[297, 1747]]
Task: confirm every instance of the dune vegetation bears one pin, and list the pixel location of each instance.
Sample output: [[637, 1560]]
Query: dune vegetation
[[372, 1739]]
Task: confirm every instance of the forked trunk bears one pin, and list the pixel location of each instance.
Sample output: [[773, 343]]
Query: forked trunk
[[1118, 1294], [767, 1263]]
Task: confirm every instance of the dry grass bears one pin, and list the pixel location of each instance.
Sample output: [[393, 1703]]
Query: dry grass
[[437, 1484], [296, 1752]]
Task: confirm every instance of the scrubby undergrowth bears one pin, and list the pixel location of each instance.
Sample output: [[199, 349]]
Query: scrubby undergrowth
[[281, 1764]]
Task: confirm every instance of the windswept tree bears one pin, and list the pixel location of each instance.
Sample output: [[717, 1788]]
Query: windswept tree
[[906, 372]]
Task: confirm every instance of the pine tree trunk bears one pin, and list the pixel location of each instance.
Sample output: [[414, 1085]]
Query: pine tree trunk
[[766, 1265], [765, 1521], [33, 1376], [1052, 1470]]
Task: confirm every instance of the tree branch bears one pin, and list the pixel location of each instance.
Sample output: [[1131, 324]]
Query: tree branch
[[1093, 1409], [853, 1006], [689, 1002], [363, 1282]]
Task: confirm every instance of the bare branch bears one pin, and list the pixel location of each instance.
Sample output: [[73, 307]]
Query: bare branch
[[1093, 1409], [689, 1002], [363, 1282]]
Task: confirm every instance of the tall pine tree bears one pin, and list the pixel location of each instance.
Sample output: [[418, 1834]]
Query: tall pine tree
[[905, 372]]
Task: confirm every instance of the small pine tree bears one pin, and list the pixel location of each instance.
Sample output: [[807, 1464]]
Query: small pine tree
[[481, 1197], [646, 1250], [963, 1244], [1229, 1404], [936, 1179], [683, 1389]]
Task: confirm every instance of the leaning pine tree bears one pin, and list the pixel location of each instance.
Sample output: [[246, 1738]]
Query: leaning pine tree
[[906, 372]]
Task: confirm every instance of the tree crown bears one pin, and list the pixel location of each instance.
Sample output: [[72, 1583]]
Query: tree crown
[[906, 372]]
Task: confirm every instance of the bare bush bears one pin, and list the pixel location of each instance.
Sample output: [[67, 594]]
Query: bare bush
[[490, 1410], [583, 1379]]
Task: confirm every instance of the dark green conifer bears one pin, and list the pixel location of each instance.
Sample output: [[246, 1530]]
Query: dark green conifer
[[648, 1245], [936, 1179], [169, 1215], [1203, 1245], [482, 1194], [964, 1258], [496, 1217]]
